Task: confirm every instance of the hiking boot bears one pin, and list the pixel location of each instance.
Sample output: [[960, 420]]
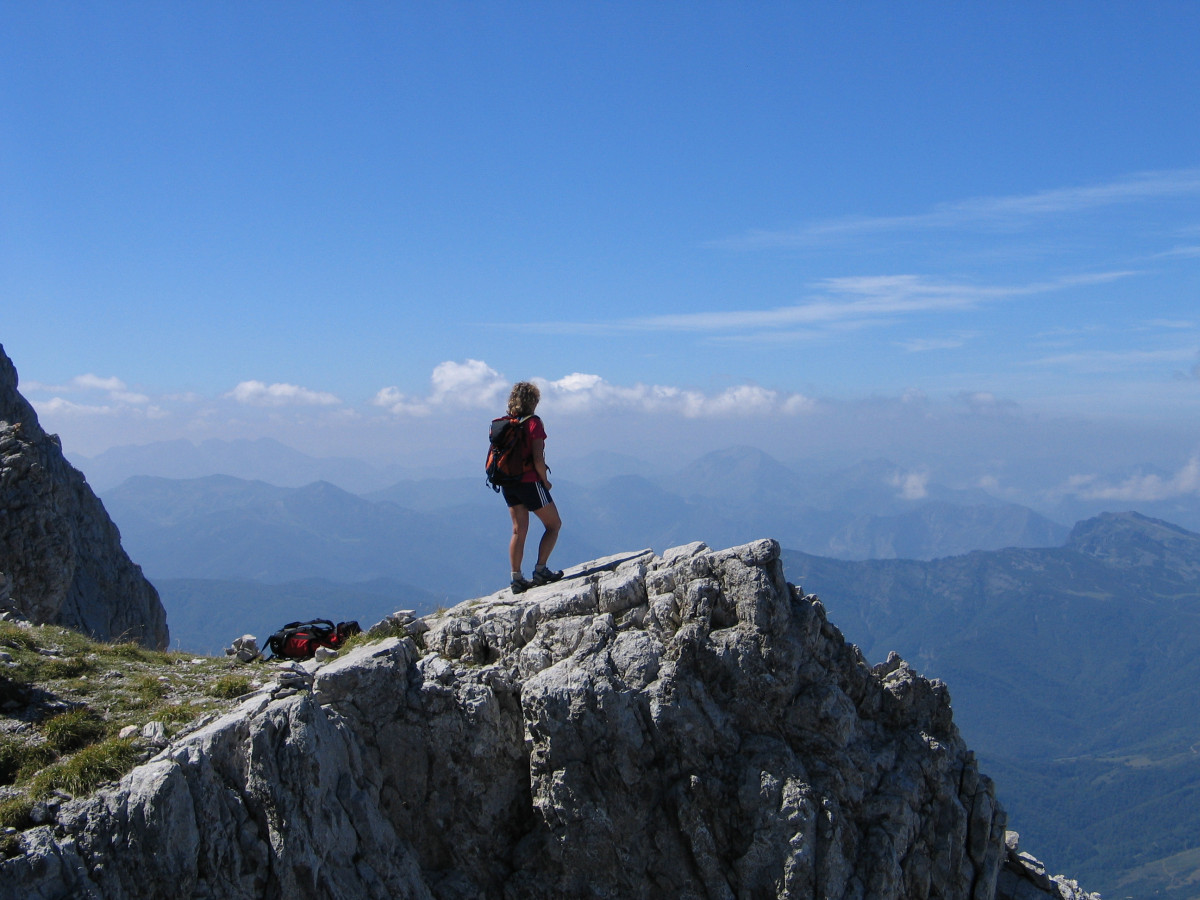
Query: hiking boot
[[543, 575], [520, 585]]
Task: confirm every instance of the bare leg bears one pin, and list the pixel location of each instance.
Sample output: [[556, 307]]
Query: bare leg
[[549, 517], [520, 528]]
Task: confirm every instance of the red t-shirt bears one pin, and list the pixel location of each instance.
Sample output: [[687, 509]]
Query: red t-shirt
[[534, 430]]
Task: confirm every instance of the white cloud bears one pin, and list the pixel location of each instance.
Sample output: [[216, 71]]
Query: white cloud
[[92, 382], [88, 382], [453, 385], [583, 393], [391, 399], [59, 406], [794, 404], [257, 393], [120, 398], [469, 384], [576, 382], [1139, 488], [114, 387], [747, 399], [912, 485], [985, 403]]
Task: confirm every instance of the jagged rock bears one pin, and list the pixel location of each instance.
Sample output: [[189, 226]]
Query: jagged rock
[[155, 734], [1024, 877], [244, 649], [684, 726], [60, 553]]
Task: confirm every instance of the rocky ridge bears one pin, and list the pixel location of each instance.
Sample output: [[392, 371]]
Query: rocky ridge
[[689, 726], [61, 560]]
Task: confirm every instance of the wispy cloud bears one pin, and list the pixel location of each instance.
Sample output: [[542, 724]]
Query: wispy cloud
[[112, 385], [1108, 361], [118, 395], [983, 212], [59, 406], [258, 393], [1179, 253], [925, 345], [1139, 488], [837, 299], [836, 303]]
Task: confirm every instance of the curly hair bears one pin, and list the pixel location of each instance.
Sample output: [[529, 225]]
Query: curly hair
[[523, 399]]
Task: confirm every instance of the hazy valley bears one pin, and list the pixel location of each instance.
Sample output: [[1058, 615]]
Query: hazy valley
[[1068, 652]]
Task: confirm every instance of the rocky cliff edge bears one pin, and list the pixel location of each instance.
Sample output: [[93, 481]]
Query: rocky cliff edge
[[683, 726], [61, 560]]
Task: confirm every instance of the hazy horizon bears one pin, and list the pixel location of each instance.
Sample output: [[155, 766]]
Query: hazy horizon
[[964, 238]]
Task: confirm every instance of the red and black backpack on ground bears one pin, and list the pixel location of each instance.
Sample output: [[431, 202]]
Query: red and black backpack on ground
[[508, 456], [300, 640]]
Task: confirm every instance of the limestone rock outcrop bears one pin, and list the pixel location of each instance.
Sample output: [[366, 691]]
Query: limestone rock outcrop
[[683, 726], [61, 560]]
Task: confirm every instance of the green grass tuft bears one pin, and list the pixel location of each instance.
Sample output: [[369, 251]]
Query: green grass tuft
[[87, 769], [227, 687], [72, 730], [14, 813], [63, 668], [148, 688], [16, 637], [19, 760]]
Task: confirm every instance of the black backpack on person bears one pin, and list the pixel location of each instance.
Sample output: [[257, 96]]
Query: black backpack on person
[[508, 456]]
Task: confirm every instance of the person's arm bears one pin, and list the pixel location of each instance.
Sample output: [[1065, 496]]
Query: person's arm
[[539, 462]]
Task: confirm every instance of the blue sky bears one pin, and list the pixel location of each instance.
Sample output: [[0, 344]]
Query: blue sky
[[851, 229]]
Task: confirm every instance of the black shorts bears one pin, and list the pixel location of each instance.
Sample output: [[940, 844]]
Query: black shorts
[[532, 494]]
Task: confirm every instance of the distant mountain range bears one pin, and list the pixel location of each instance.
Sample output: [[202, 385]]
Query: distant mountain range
[[855, 489], [1075, 674], [1071, 654], [449, 535], [262, 459], [207, 615]]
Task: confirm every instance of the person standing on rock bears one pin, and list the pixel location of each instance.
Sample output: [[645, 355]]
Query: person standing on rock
[[532, 493]]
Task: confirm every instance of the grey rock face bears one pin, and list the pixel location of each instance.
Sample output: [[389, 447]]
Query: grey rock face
[[61, 560], [684, 726]]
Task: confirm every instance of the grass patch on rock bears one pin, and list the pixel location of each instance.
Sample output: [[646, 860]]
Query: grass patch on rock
[[228, 687], [65, 700]]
